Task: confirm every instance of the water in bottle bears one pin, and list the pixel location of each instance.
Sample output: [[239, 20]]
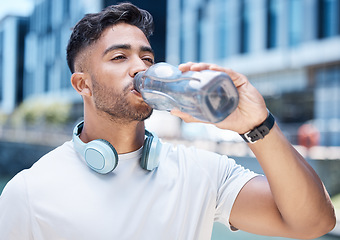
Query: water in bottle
[[207, 95]]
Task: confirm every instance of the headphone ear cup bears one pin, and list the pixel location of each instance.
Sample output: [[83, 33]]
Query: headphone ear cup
[[101, 156], [151, 150], [145, 153]]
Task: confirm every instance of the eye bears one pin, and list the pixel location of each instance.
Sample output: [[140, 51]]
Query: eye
[[120, 57], [150, 60]]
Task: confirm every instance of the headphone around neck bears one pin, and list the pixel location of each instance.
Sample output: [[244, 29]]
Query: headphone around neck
[[102, 157]]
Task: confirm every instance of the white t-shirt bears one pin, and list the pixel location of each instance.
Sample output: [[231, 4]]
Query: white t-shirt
[[60, 197]]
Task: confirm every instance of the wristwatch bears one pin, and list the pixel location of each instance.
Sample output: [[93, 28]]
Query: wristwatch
[[260, 131]]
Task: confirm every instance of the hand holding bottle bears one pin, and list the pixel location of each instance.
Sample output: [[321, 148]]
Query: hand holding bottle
[[207, 95], [251, 109]]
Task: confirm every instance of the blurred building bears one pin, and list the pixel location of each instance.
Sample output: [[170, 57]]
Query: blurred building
[[46, 72], [12, 33], [289, 49], [33, 60]]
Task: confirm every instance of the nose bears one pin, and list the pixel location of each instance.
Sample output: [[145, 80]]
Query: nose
[[138, 65]]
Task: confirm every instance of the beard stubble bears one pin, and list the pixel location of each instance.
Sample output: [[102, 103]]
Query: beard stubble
[[116, 104]]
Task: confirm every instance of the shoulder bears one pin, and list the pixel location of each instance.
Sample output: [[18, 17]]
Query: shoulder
[[219, 168], [14, 208], [65, 149], [196, 156], [15, 188], [195, 161], [48, 161], [47, 171], [61, 156]]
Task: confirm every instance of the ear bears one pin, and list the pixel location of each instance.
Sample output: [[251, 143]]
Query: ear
[[80, 83]]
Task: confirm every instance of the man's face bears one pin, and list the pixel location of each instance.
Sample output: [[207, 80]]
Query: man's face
[[121, 52]]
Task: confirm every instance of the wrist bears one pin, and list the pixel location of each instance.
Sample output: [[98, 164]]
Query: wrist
[[260, 131]]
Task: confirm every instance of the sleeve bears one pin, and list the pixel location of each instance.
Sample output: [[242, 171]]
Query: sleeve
[[232, 178], [14, 211]]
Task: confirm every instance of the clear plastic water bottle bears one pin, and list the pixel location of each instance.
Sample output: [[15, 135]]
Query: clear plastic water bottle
[[207, 95]]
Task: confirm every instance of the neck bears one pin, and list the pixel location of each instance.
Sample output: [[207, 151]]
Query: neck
[[124, 137]]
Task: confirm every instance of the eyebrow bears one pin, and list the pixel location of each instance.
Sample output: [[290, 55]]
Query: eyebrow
[[147, 49], [127, 47]]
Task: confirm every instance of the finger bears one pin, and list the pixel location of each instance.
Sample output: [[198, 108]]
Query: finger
[[184, 67], [200, 66], [192, 66], [238, 79]]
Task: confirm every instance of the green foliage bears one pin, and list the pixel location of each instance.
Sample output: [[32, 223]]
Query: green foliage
[[37, 111], [3, 118]]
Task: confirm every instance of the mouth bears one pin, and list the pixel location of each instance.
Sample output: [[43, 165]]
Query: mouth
[[134, 91]]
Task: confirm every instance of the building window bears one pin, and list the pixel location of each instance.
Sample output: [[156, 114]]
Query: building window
[[199, 30], [66, 8], [22, 31], [272, 15], [328, 12], [46, 78], [244, 27], [222, 31], [328, 76], [327, 105], [65, 76], [295, 10], [327, 87], [182, 33]]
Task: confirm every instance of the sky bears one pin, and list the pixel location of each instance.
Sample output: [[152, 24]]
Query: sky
[[17, 7]]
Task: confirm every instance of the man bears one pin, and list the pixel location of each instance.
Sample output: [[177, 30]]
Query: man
[[175, 192]]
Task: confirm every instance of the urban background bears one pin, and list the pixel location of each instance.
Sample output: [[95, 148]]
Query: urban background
[[289, 49]]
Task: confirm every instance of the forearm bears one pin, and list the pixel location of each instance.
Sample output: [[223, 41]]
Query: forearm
[[297, 190], [293, 201]]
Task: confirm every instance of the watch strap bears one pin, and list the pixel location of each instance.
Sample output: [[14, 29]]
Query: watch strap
[[260, 131]]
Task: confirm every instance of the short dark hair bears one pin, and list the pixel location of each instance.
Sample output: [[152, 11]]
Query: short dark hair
[[89, 29]]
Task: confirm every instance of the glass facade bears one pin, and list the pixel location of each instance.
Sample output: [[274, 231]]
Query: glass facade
[[46, 70], [272, 11], [295, 22], [276, 44], [222, 32], [182, 31], [41, 67], [12, 33], [199, 32], [327, 109], [328, 15], [328, 91], [244, 26]]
